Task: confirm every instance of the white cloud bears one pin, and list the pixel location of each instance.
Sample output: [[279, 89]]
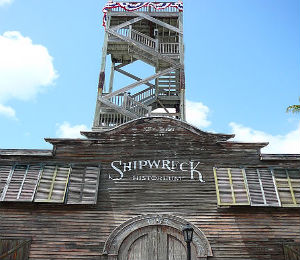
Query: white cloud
[[65, 130], [288, 143], [197, 113], [3, 2], [7, 111], [25, 68]]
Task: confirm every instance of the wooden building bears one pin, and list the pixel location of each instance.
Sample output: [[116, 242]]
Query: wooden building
[[125, 190]]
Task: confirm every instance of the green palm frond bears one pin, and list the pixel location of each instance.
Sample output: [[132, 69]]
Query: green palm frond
[[294, 108]]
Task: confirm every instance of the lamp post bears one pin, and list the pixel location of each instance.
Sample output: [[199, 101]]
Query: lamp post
[[188, 238]]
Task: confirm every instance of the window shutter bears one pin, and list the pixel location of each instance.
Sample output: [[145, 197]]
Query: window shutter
[[261, 187], [231, 186], [5, 171], [53, 184], [83, 185], [294, 175], [21, 183], [287, 182]]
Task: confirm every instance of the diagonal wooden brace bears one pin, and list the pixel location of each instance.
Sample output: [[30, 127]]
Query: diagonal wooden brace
[[140, 82], [132, 21], [133, 77], [154, 20]]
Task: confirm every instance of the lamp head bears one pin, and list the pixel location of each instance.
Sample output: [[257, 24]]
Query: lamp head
[[188, 233]]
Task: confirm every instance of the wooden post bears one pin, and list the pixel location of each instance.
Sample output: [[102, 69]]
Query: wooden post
[[125, 100], [129, 31], [101, 85], [156, 45], [111, 80], [182, 75]]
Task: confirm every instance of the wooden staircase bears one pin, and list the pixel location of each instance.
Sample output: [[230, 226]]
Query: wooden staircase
[[119, 106]]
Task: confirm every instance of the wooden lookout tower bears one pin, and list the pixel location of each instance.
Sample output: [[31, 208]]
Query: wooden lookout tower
[[150, 32]]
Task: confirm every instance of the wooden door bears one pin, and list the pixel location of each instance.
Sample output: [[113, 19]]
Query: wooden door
[[154, 243]]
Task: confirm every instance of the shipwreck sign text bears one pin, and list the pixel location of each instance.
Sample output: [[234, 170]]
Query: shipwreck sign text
[[176, 170]]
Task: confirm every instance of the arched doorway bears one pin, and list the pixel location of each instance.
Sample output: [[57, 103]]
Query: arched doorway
[[154, 237]]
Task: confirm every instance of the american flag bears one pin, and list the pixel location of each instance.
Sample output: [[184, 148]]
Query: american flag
[[133, 6]]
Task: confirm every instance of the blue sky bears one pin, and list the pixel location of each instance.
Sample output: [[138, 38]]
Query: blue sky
[[242, 64]]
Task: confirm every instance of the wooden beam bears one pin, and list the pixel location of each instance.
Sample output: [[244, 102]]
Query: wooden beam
[[117, 108], [133, 85], [133, 77], [111, 80], [162, 105], [123, 65], [154, 20], [132, 21], [101, 84]]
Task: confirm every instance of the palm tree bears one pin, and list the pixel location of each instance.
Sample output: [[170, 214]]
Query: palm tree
[[293, 108]]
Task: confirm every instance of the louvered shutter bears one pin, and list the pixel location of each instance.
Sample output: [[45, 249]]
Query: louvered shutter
[[294, 175], [83, 185], [21, 183], [285, 187], [53, 184], [5, 171], [261, 187], [255, 187], [239, 187], [231, 186]]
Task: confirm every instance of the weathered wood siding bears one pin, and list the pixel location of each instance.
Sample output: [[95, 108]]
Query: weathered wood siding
[[79, 231]]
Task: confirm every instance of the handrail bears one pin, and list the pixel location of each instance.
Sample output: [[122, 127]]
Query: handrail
[[164, 48], [169, 48], [136, 103], [136, 107], [144, 94], [117, 99], [143, 38]]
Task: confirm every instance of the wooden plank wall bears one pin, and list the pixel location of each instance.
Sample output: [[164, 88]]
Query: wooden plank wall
[[79, 231]]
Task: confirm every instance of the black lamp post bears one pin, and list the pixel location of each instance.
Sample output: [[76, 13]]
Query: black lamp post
[[188, 238]]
